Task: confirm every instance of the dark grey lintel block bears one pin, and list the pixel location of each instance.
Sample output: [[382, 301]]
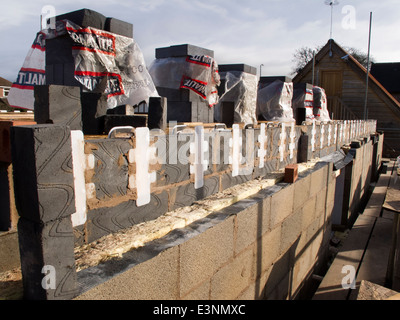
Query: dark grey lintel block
[[47, 250], [237, 67], [119, 27], [43, 177], [182, 50], [85, 18], [106, 220], [59, 105]]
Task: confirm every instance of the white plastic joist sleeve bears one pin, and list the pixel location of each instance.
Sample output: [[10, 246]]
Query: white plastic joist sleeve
[[141, 156], [197, 151], [313, 132], [282, 139], [262, 152], [235, 144], [79, 165], [292, 145]]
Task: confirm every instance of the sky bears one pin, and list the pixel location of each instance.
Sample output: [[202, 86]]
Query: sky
[[253, 32]]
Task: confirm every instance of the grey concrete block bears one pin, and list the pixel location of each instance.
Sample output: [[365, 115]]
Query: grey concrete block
[[106, 220], [49, 245], [181, 94], [157, 115], [120, 27], [85, 18], [111, 167], [117, 120], [186, 195], [125, 109], [43, 178], [59, 105], [189, 111], [94, 108], [265, 81], [241, 67], [182, 51]]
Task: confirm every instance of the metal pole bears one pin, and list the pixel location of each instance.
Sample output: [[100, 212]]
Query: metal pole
[[261, 65], [313, 67], [366, 84]]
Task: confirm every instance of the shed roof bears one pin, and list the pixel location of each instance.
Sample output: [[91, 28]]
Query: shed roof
[[331, 47]]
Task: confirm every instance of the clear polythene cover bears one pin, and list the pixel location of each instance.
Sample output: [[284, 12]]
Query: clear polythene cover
[[274, 102], [198, 73], [320, 104], [240, 88], [104, 62]]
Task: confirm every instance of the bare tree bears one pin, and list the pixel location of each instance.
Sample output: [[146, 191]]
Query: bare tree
[[305, 54]]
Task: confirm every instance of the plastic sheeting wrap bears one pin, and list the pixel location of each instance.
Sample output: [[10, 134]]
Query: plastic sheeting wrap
[[104, 62], [320, 104], [274, 102], [303, 98], [198, 73], [241, 88]]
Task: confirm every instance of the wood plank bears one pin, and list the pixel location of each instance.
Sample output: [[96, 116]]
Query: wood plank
[[349, 255]]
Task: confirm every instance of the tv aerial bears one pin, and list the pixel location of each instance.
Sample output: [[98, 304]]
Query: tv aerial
[[331, 3]]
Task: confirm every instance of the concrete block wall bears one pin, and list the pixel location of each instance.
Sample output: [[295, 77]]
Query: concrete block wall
[[113, 206], [259, 248]]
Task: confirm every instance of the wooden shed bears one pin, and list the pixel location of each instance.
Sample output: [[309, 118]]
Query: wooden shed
[[344, 80]]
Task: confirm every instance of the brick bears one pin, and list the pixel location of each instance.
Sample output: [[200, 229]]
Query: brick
[[182, 51], [291, 173], [5, 143], [59, 105], [50, 244], [43, 177]]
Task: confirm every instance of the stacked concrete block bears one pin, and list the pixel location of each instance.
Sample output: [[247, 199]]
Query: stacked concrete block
[[45, 197], [157, 115], [231, 98], [183, 104], [60, 67], [302, 102], [263, 247], [94, 109], [59, 105], [265, 81]]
